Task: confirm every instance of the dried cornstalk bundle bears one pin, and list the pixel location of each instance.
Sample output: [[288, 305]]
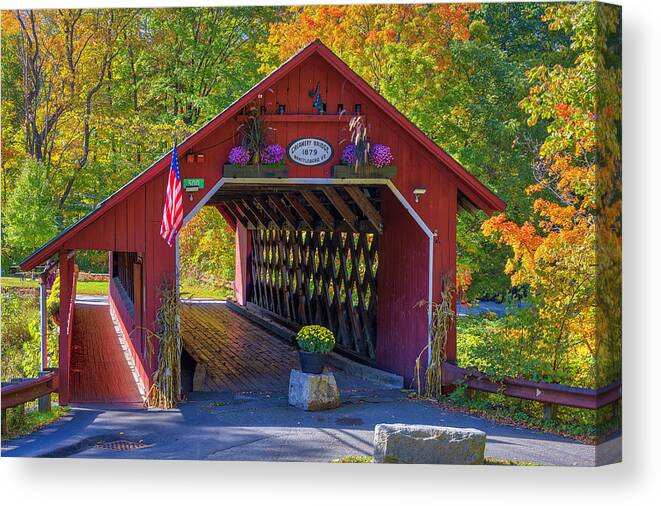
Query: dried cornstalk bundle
[[360, 139], [441, 321], [165, 392]]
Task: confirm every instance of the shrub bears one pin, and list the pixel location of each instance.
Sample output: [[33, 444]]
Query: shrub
[[21, 339], [511, 346], [315, 339], [17, 313], [53, 301]]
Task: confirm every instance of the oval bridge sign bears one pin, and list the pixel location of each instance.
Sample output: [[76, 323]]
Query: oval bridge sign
[[310, 151]]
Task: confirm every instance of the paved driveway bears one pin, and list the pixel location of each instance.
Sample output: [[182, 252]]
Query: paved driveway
[[240, 427]]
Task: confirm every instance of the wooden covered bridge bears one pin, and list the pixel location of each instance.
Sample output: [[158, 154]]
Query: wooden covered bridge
[[316, 241]]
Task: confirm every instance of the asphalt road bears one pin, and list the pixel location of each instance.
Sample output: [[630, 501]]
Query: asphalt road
[[236, 427]]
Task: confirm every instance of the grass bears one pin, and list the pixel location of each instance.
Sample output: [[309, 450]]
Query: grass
[[191, 289], [92, 287], [83, 286], [11, 282], [488, 461], [20, 423], [353, 459]]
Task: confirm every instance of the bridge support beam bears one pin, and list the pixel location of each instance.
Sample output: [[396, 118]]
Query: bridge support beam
[[242, 265], [67, 298]]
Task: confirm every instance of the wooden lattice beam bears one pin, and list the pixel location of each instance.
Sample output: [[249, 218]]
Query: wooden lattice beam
[[322, 277], [280, 206], [324, 214], [238, 218], [342, 207], [273, 215], [299, 207], [254, 214], [466, 204], [363, 202], [246, 219]]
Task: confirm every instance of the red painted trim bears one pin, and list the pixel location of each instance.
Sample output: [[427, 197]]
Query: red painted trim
[[241, 270], [67, 308], [304, 118], [552, 393]]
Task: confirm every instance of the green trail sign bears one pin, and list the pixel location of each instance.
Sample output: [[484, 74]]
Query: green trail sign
[[195, 182]]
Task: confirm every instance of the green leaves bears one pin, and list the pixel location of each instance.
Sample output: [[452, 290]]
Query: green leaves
[[31, 214], [315, 339]]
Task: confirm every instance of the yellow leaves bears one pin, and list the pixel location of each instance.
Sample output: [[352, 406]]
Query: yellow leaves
[[315, 339], [10, 24], [360, 34]]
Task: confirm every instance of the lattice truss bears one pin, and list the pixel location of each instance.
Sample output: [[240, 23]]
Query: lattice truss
[[314, 256], [327, 278]]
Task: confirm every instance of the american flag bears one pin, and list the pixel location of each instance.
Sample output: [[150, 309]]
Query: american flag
[[173, 210]]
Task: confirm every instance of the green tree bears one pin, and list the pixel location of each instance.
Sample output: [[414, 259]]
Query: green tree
[[31, 214]]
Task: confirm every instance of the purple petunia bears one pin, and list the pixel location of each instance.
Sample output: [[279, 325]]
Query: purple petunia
[[239, 156], [380, 155], [349, 155], [272, 154]]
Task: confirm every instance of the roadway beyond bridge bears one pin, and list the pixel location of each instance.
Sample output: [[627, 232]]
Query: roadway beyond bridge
[[217, 426]]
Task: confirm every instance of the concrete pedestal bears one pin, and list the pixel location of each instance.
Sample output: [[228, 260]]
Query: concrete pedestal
[[313, 392], [427, 444]]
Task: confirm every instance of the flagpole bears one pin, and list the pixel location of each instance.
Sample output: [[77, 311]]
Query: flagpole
[[177, 264]]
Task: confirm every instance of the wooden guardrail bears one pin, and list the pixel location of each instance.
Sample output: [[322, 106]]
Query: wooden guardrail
[[21, 391], [547, 393]]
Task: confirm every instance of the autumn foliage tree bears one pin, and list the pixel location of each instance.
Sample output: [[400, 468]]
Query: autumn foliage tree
[[568, 253], [371, 37], [90, 97]]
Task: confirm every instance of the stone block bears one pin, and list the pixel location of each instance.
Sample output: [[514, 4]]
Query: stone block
[[428, 444], [313, 392]]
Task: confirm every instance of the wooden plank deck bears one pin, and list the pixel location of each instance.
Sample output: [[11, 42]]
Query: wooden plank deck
[[100, 372], [239, 356]]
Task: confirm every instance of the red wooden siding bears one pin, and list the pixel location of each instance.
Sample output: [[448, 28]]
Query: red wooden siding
[[403, 281]]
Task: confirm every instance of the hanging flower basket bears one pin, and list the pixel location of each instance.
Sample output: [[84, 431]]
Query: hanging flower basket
[[271, 164], [365, 171], [380, 160], [232, 170]]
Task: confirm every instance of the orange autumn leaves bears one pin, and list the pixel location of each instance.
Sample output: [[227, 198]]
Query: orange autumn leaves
[[572, 242], [363, 34]]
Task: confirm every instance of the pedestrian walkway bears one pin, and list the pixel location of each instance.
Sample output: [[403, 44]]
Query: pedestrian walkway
[[100, 371]]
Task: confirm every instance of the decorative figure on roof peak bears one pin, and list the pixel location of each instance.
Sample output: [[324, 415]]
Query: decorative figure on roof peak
[[317, 104]]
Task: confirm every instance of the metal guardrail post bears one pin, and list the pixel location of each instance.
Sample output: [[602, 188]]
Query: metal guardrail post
[[43, 322], [43, 402], [549, 411]]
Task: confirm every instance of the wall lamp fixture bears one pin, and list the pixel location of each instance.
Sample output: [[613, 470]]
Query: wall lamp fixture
[[417, 192]]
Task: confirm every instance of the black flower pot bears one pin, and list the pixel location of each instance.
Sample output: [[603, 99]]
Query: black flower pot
[[312, 363]]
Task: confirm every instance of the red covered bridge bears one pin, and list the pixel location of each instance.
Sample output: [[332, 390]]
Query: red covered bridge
[[315, 241]]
